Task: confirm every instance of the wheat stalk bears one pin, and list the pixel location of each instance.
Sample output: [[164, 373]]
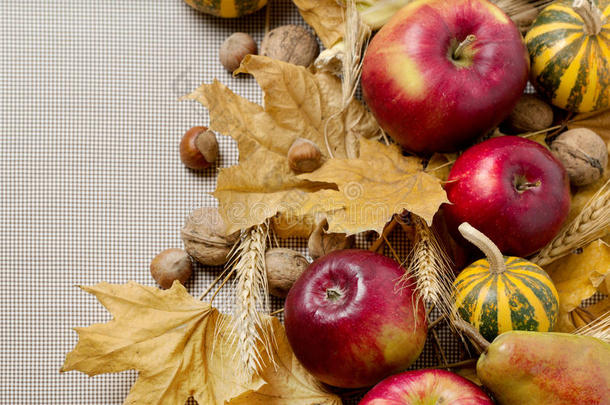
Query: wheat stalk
[[589, 225], [431, 267], [515, 7], [599, 328], [248, 329]]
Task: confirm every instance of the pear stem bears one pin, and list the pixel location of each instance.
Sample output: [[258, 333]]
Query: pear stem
[[473, 334], [491, 251], [457, 54], [590, 14]]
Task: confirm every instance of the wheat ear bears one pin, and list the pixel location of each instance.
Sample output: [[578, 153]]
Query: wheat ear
[[515, 7], [599, 328], [248, 329], [431, 267], [589, 225]]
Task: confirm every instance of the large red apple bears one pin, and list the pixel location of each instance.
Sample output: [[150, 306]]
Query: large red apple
[[349, 324], [442, 72], [426, 387], [511, 189]]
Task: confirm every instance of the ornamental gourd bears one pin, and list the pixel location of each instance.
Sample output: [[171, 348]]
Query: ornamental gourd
[[499, 293], [227, 8], [569, 46]]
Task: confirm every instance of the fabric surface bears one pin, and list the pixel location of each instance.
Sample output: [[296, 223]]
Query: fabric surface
[[92, 186]]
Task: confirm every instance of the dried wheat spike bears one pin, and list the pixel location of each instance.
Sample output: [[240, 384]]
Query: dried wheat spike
[[590, 224], [599, 328]]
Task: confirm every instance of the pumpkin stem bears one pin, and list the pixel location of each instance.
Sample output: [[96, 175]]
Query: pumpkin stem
[[491, 251], [590, 14], [457, 54]]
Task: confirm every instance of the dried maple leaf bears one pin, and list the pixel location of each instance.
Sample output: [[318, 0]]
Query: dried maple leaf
[[577, 278], [325, 17], [298, 103], [372, 188], [182, 348]]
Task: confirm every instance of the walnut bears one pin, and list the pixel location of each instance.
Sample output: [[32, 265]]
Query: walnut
[[234, 49], [204, 237], [583, 154], [529, 115], [292, 44], [284, 266]]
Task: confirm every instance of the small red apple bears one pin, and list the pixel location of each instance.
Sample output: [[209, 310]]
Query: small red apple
[[426, 387], [349, 324], [511, 189], [442, 72]]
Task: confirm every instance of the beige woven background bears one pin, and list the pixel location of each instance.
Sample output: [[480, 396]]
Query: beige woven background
[[91, 185]]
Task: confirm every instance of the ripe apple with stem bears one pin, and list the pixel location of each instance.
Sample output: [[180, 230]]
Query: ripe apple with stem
[[513, 190], [349, 321], [441, 73]]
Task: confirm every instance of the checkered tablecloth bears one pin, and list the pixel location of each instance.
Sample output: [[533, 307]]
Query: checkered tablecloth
[[92, 186]]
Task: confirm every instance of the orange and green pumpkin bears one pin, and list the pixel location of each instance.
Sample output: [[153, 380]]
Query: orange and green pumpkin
[[569, 46], [502, 293], [227, 8]]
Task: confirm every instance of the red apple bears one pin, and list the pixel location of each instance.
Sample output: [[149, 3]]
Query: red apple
[[349, 324], [511, 189], [426, 387], [428, 95]]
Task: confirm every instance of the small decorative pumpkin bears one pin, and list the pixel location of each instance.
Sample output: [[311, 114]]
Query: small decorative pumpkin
[[569, 46], [227, 8], [504, 293]]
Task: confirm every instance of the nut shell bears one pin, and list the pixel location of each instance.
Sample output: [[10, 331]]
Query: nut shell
[[583, 153], [321, 243], [204, 237], [234, 49], [190, 154], [284, 266], [304, 156], [292, 44], [171, 265], [529, 115]]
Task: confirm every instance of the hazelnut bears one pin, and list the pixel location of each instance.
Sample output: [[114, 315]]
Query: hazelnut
[[198, 148], [529, 115], [234, 49], [304, 156], [171, 265], [205, 239], [583, 154], [284, 266], [321, 243], [292, 44]]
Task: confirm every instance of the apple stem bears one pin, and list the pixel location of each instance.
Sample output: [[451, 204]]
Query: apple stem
[[332, 294], [527, 185], [491, 251], [590, 14], [457, 54]]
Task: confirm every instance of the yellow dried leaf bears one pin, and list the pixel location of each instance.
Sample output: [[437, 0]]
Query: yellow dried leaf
[[380, 183], [298, 104], [596, 121], [577, 278], [440, 165], [182, 348], [326, 17]]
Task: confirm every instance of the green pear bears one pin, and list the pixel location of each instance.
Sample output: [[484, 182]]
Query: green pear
[[535, 368]]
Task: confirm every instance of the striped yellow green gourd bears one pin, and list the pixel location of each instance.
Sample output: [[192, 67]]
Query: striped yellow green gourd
[[499, 293], [227, 8], [569, 46]]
